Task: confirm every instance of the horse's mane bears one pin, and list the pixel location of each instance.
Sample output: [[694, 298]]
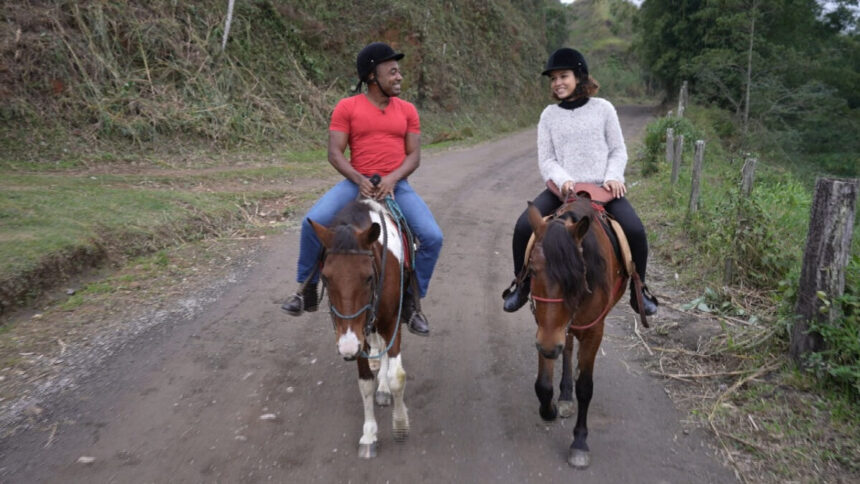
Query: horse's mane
[[564, 263], [355, 215]]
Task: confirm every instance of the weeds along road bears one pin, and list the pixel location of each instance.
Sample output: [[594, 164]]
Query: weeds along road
[[183, 402]]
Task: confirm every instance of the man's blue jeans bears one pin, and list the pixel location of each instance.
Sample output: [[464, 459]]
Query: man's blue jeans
[[417, 214]]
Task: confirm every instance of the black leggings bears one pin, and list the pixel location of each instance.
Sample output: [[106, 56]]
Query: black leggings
[[620, 208]]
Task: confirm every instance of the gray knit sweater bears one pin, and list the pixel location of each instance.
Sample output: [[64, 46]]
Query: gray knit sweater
[[583, 145]]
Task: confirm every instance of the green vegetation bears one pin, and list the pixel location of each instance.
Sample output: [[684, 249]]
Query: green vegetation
[[785, 72], [139, 75], [764, 236], [125, 127], [603, 31]]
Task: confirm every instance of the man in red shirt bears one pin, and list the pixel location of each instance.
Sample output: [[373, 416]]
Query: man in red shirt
[[383, 133]]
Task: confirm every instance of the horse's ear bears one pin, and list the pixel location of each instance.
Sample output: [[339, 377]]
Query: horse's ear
[[325, 235], [536, 221], [370, 235], [578, 229]]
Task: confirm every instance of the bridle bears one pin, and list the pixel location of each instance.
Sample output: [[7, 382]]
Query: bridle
[[374, 292], [376, 287]]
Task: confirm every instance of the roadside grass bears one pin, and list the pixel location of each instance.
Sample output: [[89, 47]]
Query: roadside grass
[[773, 422], [58, 222]]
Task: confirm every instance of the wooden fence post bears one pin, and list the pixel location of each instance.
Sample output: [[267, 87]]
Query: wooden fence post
[[677, 158], [748, 176], [670, 145], [828, 247], [696, 178], [682, 100]]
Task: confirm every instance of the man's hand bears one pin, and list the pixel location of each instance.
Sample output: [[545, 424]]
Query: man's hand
[[616, 187], [385, 187], [365, 188]]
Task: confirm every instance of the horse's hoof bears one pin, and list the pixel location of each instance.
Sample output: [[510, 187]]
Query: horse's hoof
[[549, 414], [383, 399], [401, 430], [579, 459], [367, 451], [566, 408]]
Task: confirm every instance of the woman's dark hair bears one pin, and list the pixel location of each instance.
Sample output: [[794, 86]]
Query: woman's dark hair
[[587, 88]]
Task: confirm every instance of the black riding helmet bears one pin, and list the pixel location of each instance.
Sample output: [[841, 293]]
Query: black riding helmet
[[371, 56], [567, 58]]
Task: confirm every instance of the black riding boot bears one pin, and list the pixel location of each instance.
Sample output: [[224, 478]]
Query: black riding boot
[[648, 300], [516, 295], [306, 300], [413, 317]]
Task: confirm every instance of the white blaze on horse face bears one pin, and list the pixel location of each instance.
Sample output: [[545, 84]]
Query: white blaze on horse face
[[395, 242], [348, 344]]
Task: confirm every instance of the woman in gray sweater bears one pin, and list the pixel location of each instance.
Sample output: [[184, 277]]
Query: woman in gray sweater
[[579, 141]]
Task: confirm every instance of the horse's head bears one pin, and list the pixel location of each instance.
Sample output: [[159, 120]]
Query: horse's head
[[349, 273], [558, 277]]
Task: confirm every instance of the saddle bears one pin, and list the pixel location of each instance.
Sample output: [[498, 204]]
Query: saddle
[[598, 196]]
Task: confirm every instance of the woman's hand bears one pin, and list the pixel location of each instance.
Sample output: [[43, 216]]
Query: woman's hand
[[617, 188], [567, 189]]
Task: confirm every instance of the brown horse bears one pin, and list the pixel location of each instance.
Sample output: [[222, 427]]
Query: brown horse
[[576, 279], [364, 278]]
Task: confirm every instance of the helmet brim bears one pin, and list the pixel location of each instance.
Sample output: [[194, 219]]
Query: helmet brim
[[559, 68], [397, 56]]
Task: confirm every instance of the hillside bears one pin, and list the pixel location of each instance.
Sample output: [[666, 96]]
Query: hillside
[[131, 74]]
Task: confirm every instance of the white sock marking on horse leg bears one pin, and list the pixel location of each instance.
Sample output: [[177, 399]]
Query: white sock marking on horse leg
[[397, 380], [382, 376], [368, 435]]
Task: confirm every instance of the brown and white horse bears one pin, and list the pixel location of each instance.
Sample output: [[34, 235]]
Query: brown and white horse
[[364, 275], [575, 280]]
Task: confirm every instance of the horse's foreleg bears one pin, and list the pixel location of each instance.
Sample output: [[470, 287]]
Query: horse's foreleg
[[383, 390], [367, 443], [565, 397], [579, 455], [543, 388], [397, 381]]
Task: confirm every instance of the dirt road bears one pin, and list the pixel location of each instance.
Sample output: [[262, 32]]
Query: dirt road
[[242, 393]]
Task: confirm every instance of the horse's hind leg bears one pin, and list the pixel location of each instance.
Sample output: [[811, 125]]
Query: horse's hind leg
[[579, 455], [367, 443], [565, 397], [397, 382], [543, 388]]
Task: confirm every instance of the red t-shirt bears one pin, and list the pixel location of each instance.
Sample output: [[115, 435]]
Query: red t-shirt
[[377, 138]]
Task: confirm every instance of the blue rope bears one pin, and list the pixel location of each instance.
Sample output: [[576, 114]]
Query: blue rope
[[351, 316], [397, 214]]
